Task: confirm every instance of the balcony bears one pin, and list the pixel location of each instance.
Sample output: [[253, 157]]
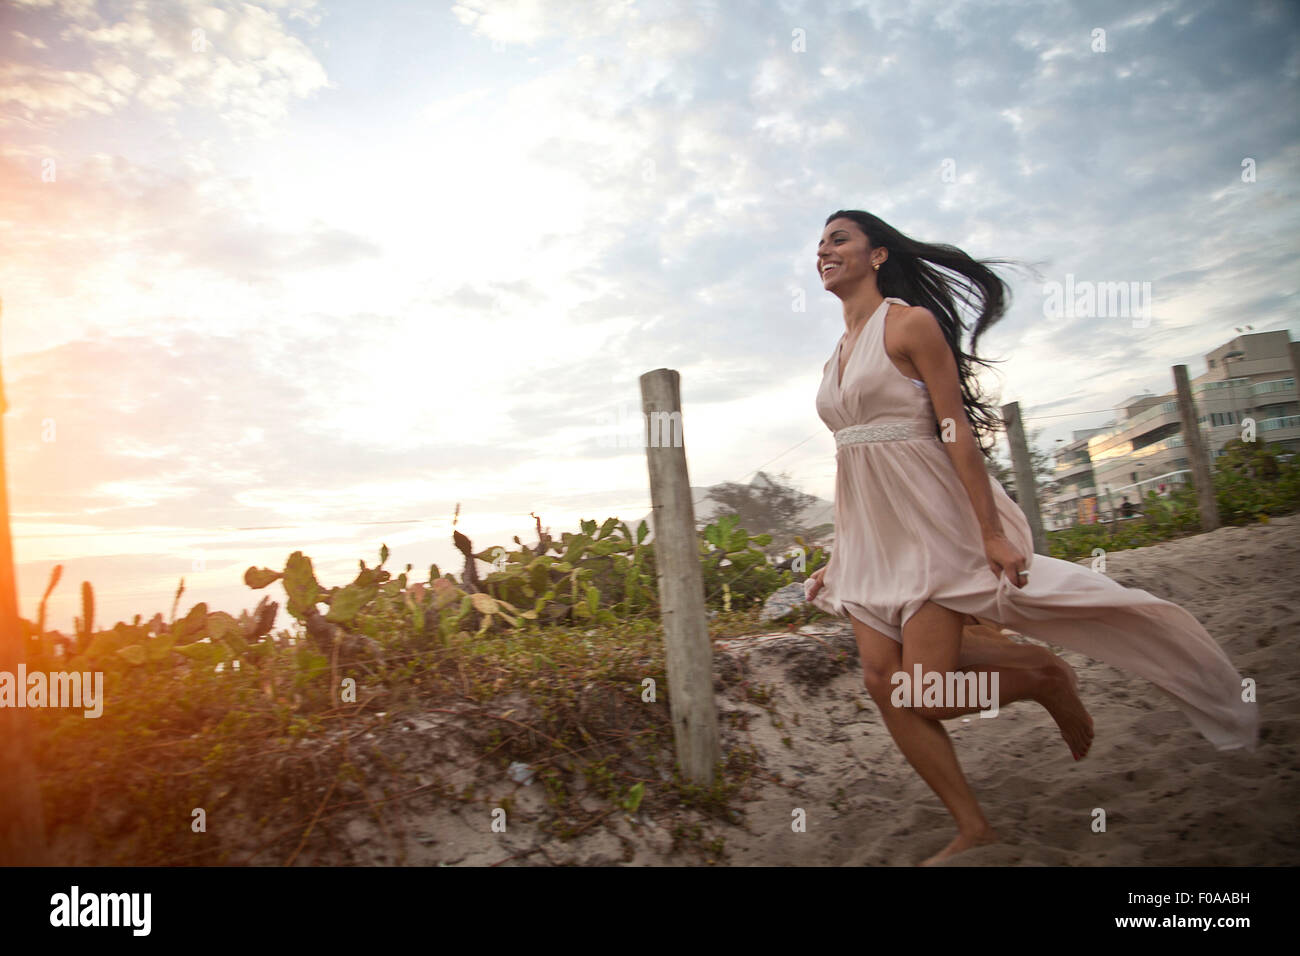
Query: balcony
[[1072, 470], [1097, 445], [1225, 383], [1131, 424], [1277, 385], [1261, 424], [1273, 424]]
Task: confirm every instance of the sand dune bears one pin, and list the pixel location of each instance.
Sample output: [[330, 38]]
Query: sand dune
[[1169, 797]]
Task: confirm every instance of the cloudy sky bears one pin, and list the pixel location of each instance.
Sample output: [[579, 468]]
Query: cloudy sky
[[276, 273]]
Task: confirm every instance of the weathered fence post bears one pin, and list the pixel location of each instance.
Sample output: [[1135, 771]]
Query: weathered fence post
[[681, 583], [22, 826], [1023, 466], [1198, 456]]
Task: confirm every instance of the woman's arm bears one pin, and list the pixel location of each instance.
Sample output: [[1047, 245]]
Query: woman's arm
[[921, 340]]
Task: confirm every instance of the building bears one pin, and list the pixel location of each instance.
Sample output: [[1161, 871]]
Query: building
[[1075, 496], [1249, 382]]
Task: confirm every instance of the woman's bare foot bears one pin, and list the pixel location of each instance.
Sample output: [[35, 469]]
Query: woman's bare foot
[[1060, 695], [962, 842]]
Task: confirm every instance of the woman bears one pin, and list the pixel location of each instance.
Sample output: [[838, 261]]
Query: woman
[[928, 543]]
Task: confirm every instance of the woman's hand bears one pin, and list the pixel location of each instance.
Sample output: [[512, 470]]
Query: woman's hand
[[816, 581], [1004, 558]]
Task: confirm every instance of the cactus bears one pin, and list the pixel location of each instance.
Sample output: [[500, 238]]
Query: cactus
[[301, 586], [348, 602], [40, 614], [262, 620], [603, 572], [86, 623], [192, 627], [260, 577], [176, 602]]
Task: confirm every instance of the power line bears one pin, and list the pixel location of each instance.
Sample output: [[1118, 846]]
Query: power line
[[1100, 411]]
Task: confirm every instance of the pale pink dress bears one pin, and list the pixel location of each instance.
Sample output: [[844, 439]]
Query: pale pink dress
[[906, 533]]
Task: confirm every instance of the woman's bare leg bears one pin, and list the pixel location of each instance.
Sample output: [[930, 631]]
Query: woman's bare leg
[[985, 648], [934, 638]]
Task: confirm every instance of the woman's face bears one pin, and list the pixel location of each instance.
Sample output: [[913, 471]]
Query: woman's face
[[843, 255]]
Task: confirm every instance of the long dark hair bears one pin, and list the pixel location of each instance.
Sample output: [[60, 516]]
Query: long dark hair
[[908, 274]]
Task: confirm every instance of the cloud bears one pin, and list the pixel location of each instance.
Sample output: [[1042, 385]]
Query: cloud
[[237, 60], [110, 242], [200, 430], [527, 22]]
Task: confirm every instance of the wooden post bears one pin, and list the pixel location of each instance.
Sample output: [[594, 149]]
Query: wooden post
[[22, 824], [681, 583], [1022, 465], [1198, 456]]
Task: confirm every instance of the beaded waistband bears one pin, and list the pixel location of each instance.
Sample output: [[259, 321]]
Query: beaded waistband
[[891, 431]]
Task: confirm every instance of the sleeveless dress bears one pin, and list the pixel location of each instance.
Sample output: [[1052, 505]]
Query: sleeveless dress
[[906, 533]]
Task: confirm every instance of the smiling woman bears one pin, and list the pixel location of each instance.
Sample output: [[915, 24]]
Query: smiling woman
[[928, 542], [910, 270]]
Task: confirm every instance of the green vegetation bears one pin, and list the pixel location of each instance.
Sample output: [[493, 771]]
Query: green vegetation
[[1250, 485], [273, 734]]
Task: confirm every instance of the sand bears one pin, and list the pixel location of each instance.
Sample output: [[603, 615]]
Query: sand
[[1170, 799]]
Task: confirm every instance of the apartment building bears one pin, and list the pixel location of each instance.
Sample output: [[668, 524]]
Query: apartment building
[[1075, 496], [1249, 378]]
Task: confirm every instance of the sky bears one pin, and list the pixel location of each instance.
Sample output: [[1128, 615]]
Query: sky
[[299, 275]]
